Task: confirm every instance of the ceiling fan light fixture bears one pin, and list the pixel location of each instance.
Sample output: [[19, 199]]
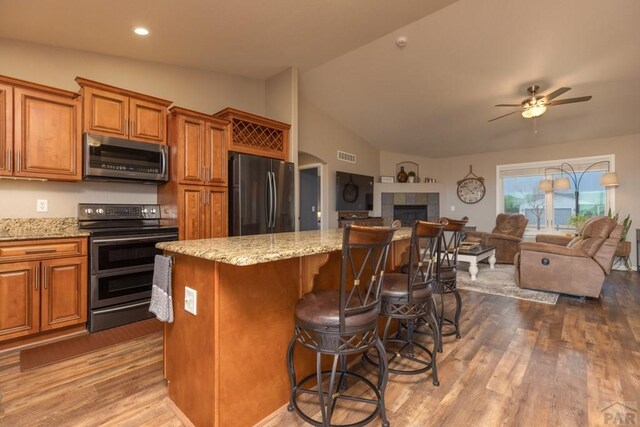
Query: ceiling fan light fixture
[[534, 110]]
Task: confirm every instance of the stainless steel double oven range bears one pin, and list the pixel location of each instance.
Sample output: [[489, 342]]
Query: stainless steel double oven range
[[121, 255]]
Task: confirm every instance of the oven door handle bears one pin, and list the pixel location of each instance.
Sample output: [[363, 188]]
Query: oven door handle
[[158, 237], [111, 310]]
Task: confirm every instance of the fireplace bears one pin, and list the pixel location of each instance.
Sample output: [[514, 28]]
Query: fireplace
[[408, 214], [389, 202]]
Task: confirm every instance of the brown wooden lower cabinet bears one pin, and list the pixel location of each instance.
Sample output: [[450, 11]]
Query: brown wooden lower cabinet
[[63, 293], [202, 212], [19, 299], [44, 294]]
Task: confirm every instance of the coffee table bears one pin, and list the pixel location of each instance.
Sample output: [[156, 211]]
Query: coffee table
[[472, 256]]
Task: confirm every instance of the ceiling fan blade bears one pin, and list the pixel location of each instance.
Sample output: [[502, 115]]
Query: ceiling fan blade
[[556, 93], [505, 115], [508, 105], [569, 100]]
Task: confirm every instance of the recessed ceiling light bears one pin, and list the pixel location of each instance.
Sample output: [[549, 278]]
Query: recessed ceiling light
[[141, 31]]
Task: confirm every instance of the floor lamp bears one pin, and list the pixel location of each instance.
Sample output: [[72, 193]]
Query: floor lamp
[[608, 179]]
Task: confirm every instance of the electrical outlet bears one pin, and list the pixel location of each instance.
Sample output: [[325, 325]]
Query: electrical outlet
[[190, 300], [453, 208], [42, 205]]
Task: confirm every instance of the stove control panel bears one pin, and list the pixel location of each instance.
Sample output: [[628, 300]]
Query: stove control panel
[[94, 211]]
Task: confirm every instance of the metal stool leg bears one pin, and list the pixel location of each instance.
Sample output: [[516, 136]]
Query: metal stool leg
[[382, 380], [458, 312], [437, 344], [292, 373]]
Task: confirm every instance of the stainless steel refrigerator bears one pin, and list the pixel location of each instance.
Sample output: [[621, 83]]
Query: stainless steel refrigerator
[[261, 195]]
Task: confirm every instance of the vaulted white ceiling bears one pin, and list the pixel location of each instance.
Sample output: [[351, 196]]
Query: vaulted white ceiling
[[254, 38], [435, 96], [432, 97]]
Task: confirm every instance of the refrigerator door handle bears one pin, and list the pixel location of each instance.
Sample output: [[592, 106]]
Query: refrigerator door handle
[[275, 200], [270, 199]]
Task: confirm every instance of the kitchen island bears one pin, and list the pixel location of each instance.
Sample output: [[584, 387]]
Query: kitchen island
[[226, 364]]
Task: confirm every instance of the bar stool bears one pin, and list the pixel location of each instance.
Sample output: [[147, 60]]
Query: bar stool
[[446, 275], [344, 322], [407, 298]]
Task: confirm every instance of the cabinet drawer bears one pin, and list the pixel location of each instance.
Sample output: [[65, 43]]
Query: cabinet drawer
[[42, 249]]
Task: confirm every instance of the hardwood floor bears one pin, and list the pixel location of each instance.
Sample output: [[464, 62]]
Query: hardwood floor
[[518, 363]]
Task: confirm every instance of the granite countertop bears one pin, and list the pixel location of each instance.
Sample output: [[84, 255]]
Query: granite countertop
[[39, 228], [249, 250]]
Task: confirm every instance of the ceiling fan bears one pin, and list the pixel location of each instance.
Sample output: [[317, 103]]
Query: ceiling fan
[[536, 105]]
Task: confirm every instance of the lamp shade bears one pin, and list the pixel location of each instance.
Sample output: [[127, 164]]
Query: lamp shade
[[609, 179], [546, 185], [562, 183]]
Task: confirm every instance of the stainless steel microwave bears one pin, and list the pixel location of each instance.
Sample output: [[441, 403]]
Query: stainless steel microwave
[[113, 159]]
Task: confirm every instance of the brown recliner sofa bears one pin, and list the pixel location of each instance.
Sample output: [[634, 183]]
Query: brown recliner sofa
[[506, 236], [579, 268]]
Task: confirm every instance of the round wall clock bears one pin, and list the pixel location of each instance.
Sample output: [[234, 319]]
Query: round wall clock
[[471, 188]]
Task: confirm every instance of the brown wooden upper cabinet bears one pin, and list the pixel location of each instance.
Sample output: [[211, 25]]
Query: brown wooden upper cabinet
[[122, 113], [199, 147], [252, 134], [40, 131]]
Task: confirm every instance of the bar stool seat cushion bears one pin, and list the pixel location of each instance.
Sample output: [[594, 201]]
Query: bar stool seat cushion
[[322, 308], [447, 274], [395, 286]]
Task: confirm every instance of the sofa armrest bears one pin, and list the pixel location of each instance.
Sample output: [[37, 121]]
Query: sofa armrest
[[554, 239], [552, 249], [507, 237], [474, 236]]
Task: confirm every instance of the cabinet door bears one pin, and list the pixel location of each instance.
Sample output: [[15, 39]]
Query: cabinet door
[[148, 121], [216, 152], [191, 220], [191, 146], [19, 299], [105, 113], [6, 130], [216, 209], [47, 136], [64, 292]]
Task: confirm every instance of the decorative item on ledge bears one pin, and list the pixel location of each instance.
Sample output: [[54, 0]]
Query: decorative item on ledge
[[387, 179], [411, 174]]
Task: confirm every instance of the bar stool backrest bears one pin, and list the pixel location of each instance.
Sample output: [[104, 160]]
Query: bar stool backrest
[[364, 295], [423, 254], [450, 243]]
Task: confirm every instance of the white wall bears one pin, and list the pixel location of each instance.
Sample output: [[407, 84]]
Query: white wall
[[321, 136], [199, 90], [18, 198], [282, 104], [451, 169]]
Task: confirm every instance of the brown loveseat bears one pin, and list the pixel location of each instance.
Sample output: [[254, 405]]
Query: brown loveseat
[[506, 236], [579, 268]]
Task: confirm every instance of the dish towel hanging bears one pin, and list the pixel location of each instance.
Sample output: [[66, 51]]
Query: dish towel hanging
[[161, 301]]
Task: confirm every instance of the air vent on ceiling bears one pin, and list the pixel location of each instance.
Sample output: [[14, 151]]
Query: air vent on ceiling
[[346, 157]]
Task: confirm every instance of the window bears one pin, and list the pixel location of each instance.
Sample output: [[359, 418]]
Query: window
[[519, 191]]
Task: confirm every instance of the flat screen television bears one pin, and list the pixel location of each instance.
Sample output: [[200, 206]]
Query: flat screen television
[[354, 192]]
